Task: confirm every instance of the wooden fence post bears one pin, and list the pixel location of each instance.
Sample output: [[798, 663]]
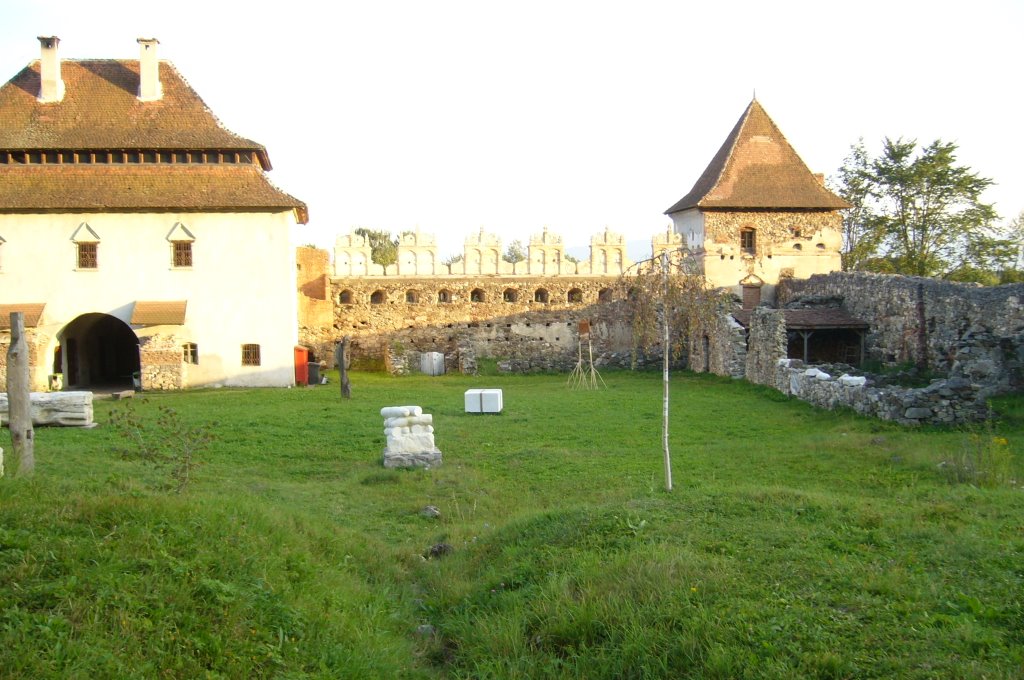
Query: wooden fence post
[[19, 402]]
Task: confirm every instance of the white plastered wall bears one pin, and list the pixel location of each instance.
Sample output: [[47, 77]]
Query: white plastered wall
[[240, 289]]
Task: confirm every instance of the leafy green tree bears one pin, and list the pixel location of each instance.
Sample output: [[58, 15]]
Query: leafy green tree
[[383, 248], [916, 212], [860, 239], [515, 252]]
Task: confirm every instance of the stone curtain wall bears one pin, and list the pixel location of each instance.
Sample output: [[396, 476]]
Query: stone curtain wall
[[407, 319], [959, 330]]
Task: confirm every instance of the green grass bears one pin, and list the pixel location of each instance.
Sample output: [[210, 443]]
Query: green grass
[[797, 542]]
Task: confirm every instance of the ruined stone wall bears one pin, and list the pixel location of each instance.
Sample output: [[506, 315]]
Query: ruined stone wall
[[944, 402], [720, 348], [392, 320], [766, 345], [955, 329], [315, 304]]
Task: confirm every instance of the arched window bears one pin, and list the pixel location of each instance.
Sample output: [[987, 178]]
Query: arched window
[[477, 295], [377, 297], [345, 297], [412, 297], [575, 295], [604, 295], [510, 295], [444, 297], [540, 295]]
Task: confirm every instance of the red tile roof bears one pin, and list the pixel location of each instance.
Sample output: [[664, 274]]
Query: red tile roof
[[809, 319], [133, 188], [149, 313], [756, 168], [32, 311], [101, 110]]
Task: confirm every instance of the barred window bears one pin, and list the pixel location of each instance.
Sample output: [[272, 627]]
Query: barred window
[[250, 355], [182, 253], [87, 255], [190, 353]]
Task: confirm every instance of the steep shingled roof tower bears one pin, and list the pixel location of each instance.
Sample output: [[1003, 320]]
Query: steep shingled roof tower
[[757, 169]]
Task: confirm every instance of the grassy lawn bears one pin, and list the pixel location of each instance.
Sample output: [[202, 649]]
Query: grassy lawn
[[797, 542]]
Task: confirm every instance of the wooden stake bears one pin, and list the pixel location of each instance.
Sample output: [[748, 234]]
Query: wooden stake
[[19, 403]]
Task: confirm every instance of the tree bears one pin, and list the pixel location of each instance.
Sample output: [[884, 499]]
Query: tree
[[515, 252], [383, 248], [916, 213], [669, 304], [860, 240]]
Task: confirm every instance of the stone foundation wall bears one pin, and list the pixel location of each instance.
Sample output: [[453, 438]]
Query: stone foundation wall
[[39, 365], [954, 329], [161, 360]]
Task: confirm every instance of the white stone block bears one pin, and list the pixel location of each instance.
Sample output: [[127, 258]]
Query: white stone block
[[394, 412], [484, 401], [853, 380]]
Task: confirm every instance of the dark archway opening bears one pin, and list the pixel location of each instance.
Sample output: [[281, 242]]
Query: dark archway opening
[[100, 351]]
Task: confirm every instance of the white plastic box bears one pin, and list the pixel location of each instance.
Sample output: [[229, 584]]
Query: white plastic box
[[484, 401]]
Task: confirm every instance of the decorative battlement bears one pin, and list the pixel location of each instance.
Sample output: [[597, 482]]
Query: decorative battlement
[[482, 255]]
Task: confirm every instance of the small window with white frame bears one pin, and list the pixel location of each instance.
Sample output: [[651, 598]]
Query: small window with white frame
[[190, 353], [181, 240], [87, 247]]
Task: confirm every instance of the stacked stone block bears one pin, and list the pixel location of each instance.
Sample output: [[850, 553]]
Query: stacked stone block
[[410, 437]]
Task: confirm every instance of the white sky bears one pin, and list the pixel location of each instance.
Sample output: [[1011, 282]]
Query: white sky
[[513, 116]]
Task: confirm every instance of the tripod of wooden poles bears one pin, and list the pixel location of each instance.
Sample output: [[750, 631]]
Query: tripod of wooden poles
[[585, 377]]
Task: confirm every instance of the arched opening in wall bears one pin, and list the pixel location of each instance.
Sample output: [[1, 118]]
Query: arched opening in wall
[[604, 295], [540, 295], [99, 351], [377, 297], [412, 297], [444, 296], [345, 297], [797, 246], [748, 241], [477, 295], [820, 246], [574, 295], [510, 295]]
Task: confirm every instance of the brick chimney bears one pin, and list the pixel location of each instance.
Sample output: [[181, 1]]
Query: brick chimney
[[51, 86], [150, 89]]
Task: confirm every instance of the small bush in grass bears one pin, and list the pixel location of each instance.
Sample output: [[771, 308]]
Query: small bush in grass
[[166, 442], [983, 460]]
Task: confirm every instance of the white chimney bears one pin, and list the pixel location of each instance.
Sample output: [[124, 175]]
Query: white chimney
[[150, 89], [51, 86]]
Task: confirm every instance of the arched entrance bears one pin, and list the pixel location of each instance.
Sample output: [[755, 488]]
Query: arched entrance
[[98, 350]]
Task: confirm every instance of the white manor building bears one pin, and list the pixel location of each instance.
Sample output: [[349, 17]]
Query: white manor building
[[141, 238]]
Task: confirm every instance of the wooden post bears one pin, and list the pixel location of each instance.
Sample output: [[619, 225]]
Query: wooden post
[[19, 402], [341, 359]]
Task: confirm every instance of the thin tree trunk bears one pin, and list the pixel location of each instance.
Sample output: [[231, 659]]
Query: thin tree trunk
[[665, 357], [19, 404]]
